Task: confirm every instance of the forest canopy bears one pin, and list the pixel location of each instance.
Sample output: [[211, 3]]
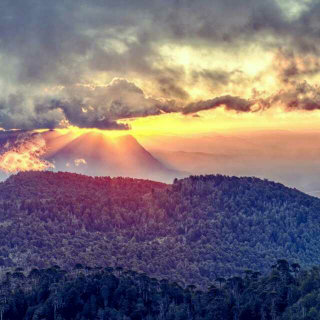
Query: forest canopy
[[192, 231], [86, 293]]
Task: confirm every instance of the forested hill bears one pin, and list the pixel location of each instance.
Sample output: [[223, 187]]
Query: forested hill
[[47, 185], [192, 231]]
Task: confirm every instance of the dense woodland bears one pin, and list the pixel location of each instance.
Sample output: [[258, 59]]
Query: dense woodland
[[192, 231], [86, 293]]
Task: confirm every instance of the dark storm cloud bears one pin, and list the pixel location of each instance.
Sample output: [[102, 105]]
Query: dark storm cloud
[[215, 77], [76, 115], [118, 100], [101, 106], [83, 106], [17, 112], [296, 96], [65, 42], [219, 78], [169, 86], [292, 66], [60, 41], [229, 102]]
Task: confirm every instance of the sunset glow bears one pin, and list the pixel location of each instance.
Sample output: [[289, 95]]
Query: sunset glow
[[24, 155], [119, 86]]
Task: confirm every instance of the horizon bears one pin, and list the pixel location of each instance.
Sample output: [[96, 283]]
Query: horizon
[[285, 156]]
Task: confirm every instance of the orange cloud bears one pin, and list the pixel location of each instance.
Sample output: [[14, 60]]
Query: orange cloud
[[24, 154]]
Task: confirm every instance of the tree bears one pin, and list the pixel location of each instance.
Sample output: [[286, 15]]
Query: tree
[[221, 280], [3, 304]]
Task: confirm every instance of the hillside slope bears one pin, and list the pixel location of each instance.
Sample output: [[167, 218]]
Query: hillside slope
[[191, 231]]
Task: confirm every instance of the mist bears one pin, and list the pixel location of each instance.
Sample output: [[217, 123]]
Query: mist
[[291, 158]]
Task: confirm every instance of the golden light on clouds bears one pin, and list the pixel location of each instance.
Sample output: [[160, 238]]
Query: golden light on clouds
[[165, 56], [77, 132], [24, 155], [246, 69], [220, 120]]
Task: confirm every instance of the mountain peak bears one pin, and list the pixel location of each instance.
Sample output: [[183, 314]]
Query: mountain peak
[[98, 154]]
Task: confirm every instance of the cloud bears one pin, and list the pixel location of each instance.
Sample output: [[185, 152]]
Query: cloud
[[78, 114], [17, 111], [294, 96], [292, 66], [101, 106], [298, 96], [64, 42], [229, 102], [215, 77], [45, 44], [82, 106], [79, 162], [107, 35], [23, 153], [169, 86]]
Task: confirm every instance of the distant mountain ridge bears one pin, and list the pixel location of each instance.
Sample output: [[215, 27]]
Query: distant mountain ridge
[[289, 157], [192, 231]]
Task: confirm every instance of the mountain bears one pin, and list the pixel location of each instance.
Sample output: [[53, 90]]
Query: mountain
[[192, 231], [214, 143], [201, 162], [287, 157], [90, 153], [297, 173], [96, 154]]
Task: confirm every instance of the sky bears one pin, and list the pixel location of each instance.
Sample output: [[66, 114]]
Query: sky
[[162, 68], [164, 65]]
